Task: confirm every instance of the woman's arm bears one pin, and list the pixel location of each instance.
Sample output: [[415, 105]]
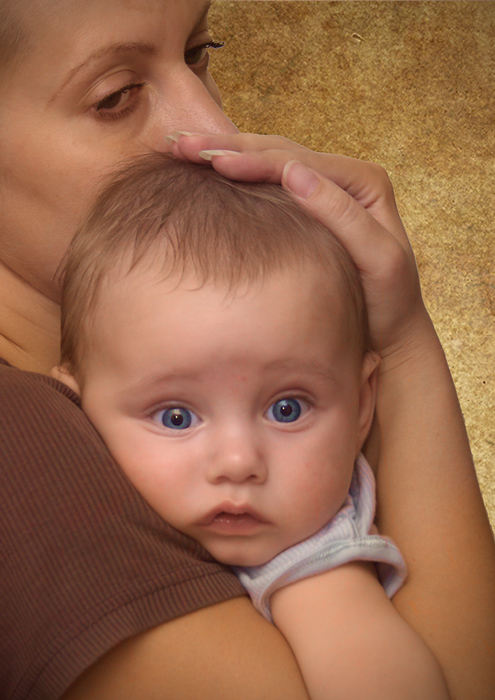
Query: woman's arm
[[441, 525], [350, 642], [429, 499], [218, 653]]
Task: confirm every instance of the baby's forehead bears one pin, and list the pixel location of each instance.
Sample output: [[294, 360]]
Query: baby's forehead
[[298, 290], [155, 268], [305, 304], [288, 308]]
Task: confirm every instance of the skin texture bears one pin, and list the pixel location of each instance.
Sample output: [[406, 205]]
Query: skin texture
[[241, 482]]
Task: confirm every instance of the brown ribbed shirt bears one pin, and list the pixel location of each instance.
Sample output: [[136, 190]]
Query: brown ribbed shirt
[[84, 562]]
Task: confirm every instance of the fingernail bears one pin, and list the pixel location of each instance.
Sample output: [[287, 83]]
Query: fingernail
[[174, 136], [299, 179], [208, 155]]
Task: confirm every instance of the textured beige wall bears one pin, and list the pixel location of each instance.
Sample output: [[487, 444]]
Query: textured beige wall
[[411, 86]]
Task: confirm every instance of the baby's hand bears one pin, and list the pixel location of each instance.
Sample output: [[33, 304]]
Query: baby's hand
[[355, 200]]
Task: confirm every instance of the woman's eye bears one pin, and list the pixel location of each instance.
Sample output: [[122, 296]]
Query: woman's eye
[[286, 410], [176, 418], [197, 54], [120, 102]]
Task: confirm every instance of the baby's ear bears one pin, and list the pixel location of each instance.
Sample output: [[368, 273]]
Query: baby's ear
[[64, 375], [367, 397]]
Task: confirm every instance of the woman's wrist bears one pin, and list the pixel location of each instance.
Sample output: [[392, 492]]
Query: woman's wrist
[[416, 394], [417, 347]]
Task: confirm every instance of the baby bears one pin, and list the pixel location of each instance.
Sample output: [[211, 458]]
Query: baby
[[217, 337]]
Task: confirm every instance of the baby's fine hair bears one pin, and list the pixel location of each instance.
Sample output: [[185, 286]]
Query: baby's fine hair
[[186, 218]]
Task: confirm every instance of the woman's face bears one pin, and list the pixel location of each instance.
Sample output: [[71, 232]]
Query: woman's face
[[102, 82]]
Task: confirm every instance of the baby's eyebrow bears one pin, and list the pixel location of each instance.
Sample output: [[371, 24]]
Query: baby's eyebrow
[[148, 381], [307, 366], [96, 55]]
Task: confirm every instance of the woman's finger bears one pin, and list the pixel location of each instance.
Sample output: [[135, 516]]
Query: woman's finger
[[264, 158], [353, 199], [366, 240], [191, 144], [365, 182], [386, 264]]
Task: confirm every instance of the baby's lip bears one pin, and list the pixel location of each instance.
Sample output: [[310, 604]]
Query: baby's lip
[[231, 509]]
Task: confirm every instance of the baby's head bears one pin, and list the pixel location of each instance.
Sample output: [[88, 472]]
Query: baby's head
[[179, 220], [217, 336]]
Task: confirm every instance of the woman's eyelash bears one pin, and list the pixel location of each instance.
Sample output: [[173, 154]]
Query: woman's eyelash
[[108, 107], [105, 103], [215, 45], [210, 45], [202, 48]]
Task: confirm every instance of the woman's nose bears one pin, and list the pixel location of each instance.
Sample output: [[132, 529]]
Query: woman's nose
[[191, 106], [237, 458]]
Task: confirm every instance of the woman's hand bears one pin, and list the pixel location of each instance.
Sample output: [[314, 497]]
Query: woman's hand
[[355, 200], [424, 462]]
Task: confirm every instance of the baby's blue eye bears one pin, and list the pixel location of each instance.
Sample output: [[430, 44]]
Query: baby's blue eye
[[285, 410], [176, 418]]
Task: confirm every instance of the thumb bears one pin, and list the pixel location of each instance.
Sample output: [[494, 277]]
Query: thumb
[[369, 244]]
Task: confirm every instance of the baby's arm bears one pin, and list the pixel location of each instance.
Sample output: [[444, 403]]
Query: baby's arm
[[349, 641]]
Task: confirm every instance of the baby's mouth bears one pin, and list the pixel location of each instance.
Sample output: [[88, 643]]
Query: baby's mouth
[[225, 517], [232, 518]]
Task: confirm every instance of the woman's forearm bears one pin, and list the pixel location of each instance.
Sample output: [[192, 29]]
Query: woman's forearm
[[430, 504], [220, 652]]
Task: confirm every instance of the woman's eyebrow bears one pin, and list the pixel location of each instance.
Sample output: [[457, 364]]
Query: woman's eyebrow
[[114, 48], [124, 47]]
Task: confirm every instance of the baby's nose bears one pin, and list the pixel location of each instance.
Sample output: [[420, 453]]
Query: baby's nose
[[238, 459]]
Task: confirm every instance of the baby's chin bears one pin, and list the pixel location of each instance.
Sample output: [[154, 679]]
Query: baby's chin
[[241, 556]]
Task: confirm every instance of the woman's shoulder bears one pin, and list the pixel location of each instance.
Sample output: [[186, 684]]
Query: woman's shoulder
[[42, 421], [18, 385], [47, 444]]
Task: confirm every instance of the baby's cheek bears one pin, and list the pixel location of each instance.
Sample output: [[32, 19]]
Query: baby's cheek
[[320, 498]]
